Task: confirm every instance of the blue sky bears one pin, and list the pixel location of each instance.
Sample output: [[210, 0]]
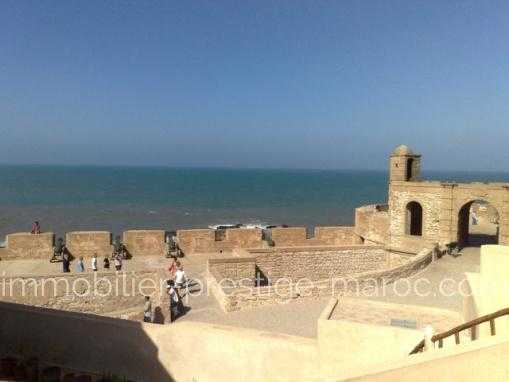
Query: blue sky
[[299, 84]]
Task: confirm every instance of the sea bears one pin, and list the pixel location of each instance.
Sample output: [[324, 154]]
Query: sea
[[70, 198]]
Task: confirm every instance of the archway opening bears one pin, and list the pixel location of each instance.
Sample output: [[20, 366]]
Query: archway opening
[[478, 224], [414, 219]]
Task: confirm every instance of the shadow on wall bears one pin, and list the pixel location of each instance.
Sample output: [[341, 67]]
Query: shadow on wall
[[81, 342]]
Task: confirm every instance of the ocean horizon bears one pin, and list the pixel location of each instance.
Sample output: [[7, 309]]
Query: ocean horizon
[[116, 198]]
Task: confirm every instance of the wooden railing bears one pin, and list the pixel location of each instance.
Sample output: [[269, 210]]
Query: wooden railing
[[470, 325]]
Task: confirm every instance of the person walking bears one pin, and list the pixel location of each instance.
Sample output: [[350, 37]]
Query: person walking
[[147, 310]]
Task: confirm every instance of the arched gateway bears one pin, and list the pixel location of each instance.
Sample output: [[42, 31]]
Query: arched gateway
[[478, 224], [462, 213]]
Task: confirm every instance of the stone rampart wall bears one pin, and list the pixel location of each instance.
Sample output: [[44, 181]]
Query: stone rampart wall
[[88, 243], [289, 236], [372, 223], [244, 238], [25, 245], [236, 270], [89, 292], [316, 263], [196, 240], [234, 299], [337, 236], [145, 242]]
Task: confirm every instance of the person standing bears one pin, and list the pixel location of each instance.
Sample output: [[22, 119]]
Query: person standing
[[80, 266], [36, 228], [66, 263], [118, 262], [94, 262], [147, 310], [176, 304], [180, 277], [106, 263], [173, 267]]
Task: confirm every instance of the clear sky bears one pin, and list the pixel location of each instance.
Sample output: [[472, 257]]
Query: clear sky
[[299, 84]]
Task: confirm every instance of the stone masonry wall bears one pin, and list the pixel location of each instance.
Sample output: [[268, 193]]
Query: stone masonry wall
[[337, 236], [372, 223], [145, 242], [441, 203], [244, 298], [86, 243], [289, 236], [430, 200], [244, 238], [196, 240], [28, 246], [234, 269], [81, 292], [318, 263]]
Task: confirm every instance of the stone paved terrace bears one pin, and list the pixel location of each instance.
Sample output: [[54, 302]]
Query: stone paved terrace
[[295, 318]]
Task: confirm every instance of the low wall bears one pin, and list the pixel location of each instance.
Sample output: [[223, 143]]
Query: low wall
[[372, 223], [149, 353], [360, 344], [88, 292], [481, 360], [88, 243], [316, 263], [89, 343], [337, 236], [28, 246], [289, 236], [145, 242], [237, 269], [283, 291]]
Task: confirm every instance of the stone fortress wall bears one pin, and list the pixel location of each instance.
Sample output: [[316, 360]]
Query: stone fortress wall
[[152, 242], [229, 279], [445, 206], [444, 214], [104, 293]]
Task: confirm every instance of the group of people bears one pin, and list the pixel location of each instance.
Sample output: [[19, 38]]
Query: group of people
[[80, 263], [174, 285]]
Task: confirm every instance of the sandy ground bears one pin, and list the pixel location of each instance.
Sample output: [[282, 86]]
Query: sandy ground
[[297, 317]]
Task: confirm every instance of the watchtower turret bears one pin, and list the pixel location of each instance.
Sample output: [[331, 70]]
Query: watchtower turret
[[405, 166]]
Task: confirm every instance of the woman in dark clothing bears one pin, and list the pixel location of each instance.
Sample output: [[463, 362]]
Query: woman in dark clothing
[[66, 262]]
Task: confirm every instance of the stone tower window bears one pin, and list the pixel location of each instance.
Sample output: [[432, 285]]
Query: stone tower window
[[409, 169], [414, 219]]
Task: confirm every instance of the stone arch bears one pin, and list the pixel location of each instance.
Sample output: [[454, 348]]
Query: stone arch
[[474, 229], [414, 219]]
